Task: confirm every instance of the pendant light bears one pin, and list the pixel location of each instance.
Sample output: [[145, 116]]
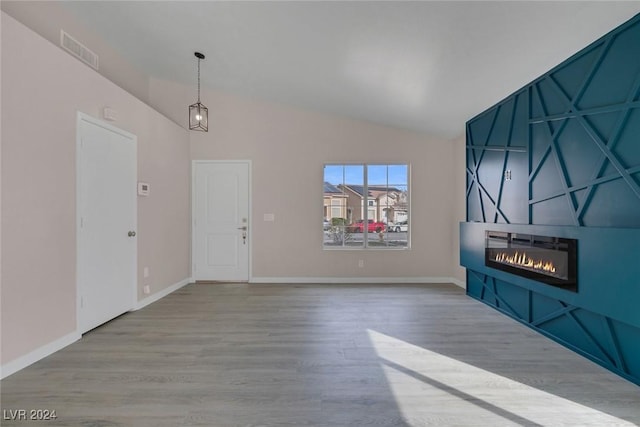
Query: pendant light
[[198, 113]]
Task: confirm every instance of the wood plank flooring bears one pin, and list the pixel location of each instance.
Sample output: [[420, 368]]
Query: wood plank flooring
[[319, 355]]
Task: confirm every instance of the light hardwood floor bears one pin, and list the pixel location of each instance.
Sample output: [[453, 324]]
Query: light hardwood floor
[[319, 355]]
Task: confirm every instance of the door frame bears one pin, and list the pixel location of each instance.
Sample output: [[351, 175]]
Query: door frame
[[134, 280], [194, 164]]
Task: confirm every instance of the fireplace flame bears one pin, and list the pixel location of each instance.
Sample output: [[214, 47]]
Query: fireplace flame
[[521, 259]]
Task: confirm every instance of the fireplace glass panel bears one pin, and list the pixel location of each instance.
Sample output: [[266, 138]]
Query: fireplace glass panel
[[551, 260]]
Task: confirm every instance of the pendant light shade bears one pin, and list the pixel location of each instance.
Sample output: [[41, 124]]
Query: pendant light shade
[[198, 117], [198, 113]]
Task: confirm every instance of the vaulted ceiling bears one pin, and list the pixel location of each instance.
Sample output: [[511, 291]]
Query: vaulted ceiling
[[423, 66]]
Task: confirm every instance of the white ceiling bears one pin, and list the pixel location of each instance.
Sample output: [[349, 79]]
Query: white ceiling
[[423, 66]]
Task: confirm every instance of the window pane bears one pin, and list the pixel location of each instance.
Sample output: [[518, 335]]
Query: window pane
[[388, 187], [360, 214], [342, 205]]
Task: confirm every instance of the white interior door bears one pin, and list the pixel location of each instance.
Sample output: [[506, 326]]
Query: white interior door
[[221, 221], [107, 218]]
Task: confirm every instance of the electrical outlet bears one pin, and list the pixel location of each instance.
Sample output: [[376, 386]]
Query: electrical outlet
[[146, 289], [361, 263]]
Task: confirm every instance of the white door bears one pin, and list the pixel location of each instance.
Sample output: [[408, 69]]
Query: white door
[[221, 221], [106, 198]]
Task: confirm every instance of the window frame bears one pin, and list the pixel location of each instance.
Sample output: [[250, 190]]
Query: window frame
[[365, 207]]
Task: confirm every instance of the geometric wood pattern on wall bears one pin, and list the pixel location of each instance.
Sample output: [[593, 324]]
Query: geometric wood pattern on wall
[[564, 150], [582, 113], [594, 336], [497, 145]]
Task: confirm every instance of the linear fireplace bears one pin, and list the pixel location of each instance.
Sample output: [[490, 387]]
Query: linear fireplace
[[551, 260]]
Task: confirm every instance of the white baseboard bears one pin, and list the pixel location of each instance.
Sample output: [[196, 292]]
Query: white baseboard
[[161, 294], [48, 349], [458, 282], [348, 280], [37, 354]]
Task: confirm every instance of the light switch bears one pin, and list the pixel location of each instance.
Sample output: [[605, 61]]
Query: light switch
[[269, 217]]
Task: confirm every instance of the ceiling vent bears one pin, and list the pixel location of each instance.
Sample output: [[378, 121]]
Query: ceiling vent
[[78, 50]]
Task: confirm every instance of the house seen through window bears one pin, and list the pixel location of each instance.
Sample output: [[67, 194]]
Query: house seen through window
[[366, 206]]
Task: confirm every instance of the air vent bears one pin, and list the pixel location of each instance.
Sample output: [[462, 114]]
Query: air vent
[[78, 50]]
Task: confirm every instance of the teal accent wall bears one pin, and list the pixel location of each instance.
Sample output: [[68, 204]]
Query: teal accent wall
[[569, 143]]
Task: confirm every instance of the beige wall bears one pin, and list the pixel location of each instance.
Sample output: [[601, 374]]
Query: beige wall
[[42, 90], [47, 18], [288, 148], [459, 205]]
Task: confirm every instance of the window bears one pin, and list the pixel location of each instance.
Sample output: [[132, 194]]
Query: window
[[366, 206]]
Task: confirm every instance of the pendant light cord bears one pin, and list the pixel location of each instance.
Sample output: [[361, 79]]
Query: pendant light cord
[[198, 80]]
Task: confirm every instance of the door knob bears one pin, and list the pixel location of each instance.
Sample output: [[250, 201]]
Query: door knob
[[244, 228], [132, 234]]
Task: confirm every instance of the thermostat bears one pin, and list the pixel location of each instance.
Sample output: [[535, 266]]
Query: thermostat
[[143, 189]]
